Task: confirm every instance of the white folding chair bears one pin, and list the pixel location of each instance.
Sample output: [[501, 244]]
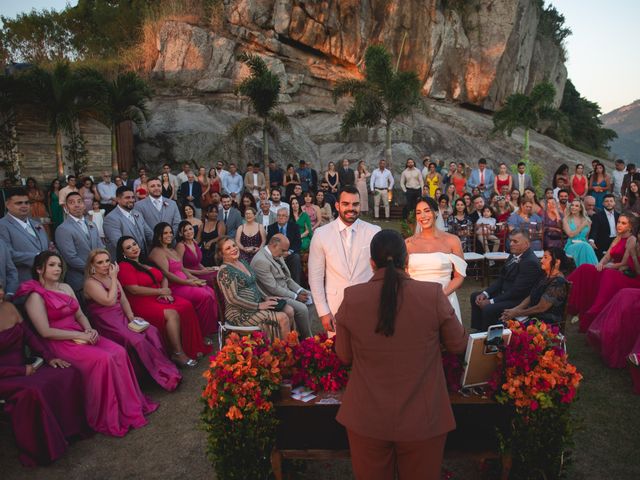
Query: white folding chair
[[224, 328]]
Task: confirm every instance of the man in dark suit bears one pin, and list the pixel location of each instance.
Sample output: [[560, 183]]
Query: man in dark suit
[[522, 180], [289, 229], [124, 220], [519, 275], [230, 215], [126, 181], [603, 228], [346, 175], [191, 192]]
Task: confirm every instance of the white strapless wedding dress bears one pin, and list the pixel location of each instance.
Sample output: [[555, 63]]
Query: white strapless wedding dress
[[438, 267]]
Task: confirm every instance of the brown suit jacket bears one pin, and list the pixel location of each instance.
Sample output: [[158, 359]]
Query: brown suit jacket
[[397, 389]]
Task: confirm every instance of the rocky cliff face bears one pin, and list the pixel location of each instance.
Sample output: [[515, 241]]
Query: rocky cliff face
[[626, 123]]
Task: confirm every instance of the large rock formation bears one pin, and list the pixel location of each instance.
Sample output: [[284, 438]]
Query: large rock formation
[[625, 121]]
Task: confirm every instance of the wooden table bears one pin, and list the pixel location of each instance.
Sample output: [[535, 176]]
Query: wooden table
[[310, 431]]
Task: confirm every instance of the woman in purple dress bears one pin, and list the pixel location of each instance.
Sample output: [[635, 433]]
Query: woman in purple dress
[[111, 314], [45, 404], [182, 283], [113, 400]]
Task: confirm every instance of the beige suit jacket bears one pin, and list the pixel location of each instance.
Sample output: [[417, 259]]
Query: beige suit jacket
[[273, 276]]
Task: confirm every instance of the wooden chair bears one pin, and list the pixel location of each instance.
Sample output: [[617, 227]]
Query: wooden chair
[[474, 260], [495, 260]]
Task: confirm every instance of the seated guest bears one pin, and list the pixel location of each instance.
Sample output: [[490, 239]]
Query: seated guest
[[519, 275], [111, 314], [125, 221], [25, 237], [150, 297], [576, 225], [274, 279], [265, 216], [402, 426], [230, 216], [552, 222], [289, 229], [112, 398], [276, 202], [156, 208], [603, 228], [191, 255], [244, 303], [182, 283], [254, 179], [213, 230], [311, 209], [250, 236], [75, 238], [326, 214], [8, 271], [189, 215], [594, 286], [547, 299], [191, 192], [478, 204], [304, 224], [44, 404], [246, 201], [525, 219]]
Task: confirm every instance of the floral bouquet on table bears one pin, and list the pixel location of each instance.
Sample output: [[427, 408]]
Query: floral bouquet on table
[[318, 367], [537, 380]]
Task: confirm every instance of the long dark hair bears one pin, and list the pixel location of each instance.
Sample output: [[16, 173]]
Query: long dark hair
[[558, 254], [181, 227], [158, 232], [388, 251], [121, 258], [40, 261]]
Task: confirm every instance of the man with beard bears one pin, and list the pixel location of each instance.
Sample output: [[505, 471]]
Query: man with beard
[[155, 208], [590, 206], [411, 182], [124, 220], [603, 228], [563, 201], [337, 264]]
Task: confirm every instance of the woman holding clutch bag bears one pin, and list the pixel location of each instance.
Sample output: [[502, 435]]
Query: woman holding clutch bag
[[112, 315]]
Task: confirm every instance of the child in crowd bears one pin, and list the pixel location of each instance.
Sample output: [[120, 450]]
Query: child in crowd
[[96, 215], [485, 230]]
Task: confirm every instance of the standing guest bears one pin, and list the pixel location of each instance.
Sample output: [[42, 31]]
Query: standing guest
[[482, 178], [502, 180], [381, 182], [525, 219], [411, 183], [326, 214], [126, 181], [518, 276], [329, 197], [447, 177], [191, 193], [403, 426], [276, 201], [563, 201], [25, 237], [124, 220], [313, 186], [362, 184], [156, 208], [265, 216], [603, 229], [150, 297], [247, 200], [230, 215], [590, 206], [245, 305], [291, 179], [250, 236], [168, 190], [55, 209], [576, 226], [107, 191], [451, 193], [71, 187], [631, 202], [594, 164], [304, 172], [276, 175], [459, 180], [311, 209], [205, 186], [220, 170], [189, 214], [142, 178], [215, 183], [346, 175], [142, 190], [76, 238], [304, 224], [334, 265], [44, 404], [254, 179], [632, 175], [433, 180], [426, 160], [286, 225], [183, 176], [332, 177], [36, 199], [111, 314], [113, 400], [521, 180], [599, 184], [8, 272], [552, 225], [191, 254], [212, 230], [578, 183], [96, 215], [274, 278], [182, 283], [89, 193], [232, 182], [173, 182], [617, 177], [561, 177]]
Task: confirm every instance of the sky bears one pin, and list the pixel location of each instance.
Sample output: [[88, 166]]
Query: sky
[[603, 59]]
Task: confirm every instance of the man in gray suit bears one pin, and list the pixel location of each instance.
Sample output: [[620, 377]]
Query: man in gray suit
[[124, 220], [75, 238], [265, 216], [230, 216], [522, 180], [26, 237], [155, 208], [274, 278], [8, 271]]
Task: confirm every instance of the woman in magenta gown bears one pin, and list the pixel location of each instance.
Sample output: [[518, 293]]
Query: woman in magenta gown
[[594, 286], [113, 400], [182, 283], [45, 405], [150, 297], [111, 313]]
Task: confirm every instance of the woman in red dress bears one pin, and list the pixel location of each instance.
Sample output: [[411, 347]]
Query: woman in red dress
[[503, 179], [459, 180], [578, 184], [594, 286], [150, 297]]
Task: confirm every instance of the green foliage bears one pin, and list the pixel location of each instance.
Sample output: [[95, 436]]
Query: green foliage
[[9, 94], [537, 173], [262, 86], [552, 25], [525, 111], [77, 154]]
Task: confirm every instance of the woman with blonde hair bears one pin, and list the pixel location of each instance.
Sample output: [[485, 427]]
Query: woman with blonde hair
[[362, 183], [577, 225]]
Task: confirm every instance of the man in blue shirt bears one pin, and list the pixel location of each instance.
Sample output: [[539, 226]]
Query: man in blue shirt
[[305, 176], [233, 183]]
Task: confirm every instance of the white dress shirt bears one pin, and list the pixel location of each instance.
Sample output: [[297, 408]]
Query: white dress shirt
[[381, 179], [612, 222]]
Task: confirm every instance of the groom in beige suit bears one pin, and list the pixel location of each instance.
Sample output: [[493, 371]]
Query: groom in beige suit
[[339, 256]]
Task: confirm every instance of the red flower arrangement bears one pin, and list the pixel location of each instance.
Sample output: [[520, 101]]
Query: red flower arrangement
[[317, 365]]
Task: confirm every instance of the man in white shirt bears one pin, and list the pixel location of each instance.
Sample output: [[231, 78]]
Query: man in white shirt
[[232, 183], [618, 177], [183, 176], [221, 171], [265, 216], [107, 190], [71, 187], [138, 181], [276, 202], [381, 182], [411, 183]]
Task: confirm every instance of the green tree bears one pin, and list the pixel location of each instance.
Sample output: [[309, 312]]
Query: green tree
[[384, 94], [62, 95], [528, 112], [10, 93], [262, 88]]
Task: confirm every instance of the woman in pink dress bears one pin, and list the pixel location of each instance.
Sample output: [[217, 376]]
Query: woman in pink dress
[[182, 283], [594, 286], [111, 314], [191, 254], [113, 400]]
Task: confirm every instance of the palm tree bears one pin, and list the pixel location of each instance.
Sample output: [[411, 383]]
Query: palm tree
[[527, 111], [61, 95], [262, 88], [384, 94]]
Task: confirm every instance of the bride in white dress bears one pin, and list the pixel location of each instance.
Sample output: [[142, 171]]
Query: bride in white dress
[[435, 255]]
